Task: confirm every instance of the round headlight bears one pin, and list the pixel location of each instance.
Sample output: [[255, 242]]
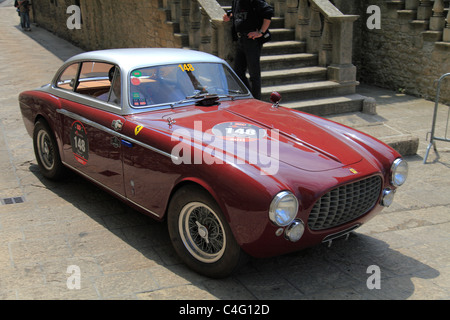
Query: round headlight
[[399, 172], [283, 208]]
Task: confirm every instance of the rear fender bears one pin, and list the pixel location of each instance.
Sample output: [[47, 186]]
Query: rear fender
[[38, 105]]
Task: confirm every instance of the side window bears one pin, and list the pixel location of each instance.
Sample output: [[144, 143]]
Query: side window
[[96, 80], [67, 78]]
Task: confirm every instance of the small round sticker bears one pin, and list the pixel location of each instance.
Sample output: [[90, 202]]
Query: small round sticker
[[135, 81], [238, 131], [80, 142]]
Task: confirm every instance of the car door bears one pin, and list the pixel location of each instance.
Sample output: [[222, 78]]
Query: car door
[[92, 122]]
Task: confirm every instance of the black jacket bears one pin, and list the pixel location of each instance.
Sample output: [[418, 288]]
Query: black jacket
[[248, 15]]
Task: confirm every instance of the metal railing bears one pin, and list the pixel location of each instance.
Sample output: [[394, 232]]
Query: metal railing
[[433, 137]]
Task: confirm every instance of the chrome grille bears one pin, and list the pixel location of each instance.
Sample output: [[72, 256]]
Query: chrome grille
[[345, 203]]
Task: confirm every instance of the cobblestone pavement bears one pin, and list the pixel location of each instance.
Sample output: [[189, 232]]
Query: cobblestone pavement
[[122, 254]]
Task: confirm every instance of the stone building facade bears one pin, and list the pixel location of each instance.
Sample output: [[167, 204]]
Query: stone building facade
[[400, 55], [404, 55], [108, 24]]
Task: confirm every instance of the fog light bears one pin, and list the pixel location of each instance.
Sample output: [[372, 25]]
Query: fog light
[[388, 197], [295, 231]]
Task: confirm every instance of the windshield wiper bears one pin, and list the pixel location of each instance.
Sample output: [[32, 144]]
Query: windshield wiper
[[200, 95], [201, 99], [204, 99]]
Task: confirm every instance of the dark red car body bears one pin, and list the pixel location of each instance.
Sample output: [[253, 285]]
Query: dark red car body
[[315, 157]]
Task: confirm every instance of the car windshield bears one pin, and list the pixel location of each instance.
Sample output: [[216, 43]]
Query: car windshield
[[171, 84]]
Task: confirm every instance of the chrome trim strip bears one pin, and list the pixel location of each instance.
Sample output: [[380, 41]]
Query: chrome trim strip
[[340, 234], [109, 189], [82, 99], [114, 133]]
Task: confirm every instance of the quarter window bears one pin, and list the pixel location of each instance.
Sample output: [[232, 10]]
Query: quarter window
[[67, 78]]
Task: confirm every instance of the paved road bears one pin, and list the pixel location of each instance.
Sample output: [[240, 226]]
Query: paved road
[[122, 254]]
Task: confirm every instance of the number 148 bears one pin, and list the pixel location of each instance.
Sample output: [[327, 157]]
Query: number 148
[[186, 67]]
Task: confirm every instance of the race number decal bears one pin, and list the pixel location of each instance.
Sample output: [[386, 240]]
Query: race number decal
[[186, 67], [238, 131], [80, 143]]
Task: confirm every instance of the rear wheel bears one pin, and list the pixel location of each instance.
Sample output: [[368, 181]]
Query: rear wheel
[[200, 234], [46, 151]]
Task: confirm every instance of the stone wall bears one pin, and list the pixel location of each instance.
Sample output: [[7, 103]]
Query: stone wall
[[108, 23], [399, 56]]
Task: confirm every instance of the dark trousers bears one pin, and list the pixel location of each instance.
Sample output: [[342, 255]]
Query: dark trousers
[[248, 53], [24, 20]]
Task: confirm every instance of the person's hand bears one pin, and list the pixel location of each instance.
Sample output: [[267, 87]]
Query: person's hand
[[254, 35], [226, 18]]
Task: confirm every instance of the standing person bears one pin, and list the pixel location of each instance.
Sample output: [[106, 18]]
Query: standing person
[[251, 20], [24, 12]]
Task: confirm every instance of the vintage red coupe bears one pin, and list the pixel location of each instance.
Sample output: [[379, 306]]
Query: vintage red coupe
[[175, 134]]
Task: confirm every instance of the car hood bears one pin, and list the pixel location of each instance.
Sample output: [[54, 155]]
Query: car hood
[[250, 129]]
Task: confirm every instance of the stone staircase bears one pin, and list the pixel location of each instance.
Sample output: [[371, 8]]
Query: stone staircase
[[427, 16], [321, 83], [289, 69]]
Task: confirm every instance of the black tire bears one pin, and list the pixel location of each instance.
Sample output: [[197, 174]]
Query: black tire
[[46, 152], [200, 234]]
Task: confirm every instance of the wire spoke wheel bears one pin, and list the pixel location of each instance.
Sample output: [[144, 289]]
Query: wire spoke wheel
[[45, 150], [201, 235], [202, 232]]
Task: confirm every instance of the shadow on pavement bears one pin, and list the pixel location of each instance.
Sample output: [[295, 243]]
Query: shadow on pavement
[[61, 49], [338, 272]]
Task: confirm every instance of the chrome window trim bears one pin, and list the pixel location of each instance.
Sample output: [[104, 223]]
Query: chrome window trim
[[80, 98], [173, 104], [142, 58], [84, 99], [114, 133]]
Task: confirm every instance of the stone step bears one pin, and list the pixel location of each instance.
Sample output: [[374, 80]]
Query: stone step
[[295, 75], [282, 34], [329, 106], [376, 126], [288, 61], [283, 47], [309, 90]]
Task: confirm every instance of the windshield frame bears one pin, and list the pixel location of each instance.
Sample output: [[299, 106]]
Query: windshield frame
[[186, 100]]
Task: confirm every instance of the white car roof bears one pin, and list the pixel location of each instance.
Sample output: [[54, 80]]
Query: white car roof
[[129, 59]]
